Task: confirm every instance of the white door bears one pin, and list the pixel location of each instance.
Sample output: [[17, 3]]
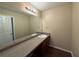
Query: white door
[[6, 37]]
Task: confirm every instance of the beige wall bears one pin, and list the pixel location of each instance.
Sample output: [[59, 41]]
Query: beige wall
[[35, 23], [75, 29], [21, 22], [57, 22]]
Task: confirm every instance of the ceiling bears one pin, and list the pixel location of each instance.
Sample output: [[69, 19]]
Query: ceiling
[[17, 7], [46, 5], [20, 6], [38, 5]]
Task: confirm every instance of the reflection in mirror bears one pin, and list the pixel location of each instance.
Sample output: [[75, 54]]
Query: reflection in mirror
[[6, 31], [17, 25]]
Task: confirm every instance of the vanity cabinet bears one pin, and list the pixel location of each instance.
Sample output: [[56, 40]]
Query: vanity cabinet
[[41, 49], [31, 47]]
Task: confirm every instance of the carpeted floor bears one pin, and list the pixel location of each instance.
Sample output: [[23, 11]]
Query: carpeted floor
[[53, 52]]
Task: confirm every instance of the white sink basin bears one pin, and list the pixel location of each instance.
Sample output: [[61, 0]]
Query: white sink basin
[[42, 36], [34, 34]]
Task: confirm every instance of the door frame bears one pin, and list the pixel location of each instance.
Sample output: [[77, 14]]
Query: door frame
[[13, 28]]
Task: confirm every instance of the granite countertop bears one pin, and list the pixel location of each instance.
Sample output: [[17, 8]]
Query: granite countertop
[[24, 48]]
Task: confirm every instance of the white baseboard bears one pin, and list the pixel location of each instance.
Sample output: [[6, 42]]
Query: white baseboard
[[62, 49]]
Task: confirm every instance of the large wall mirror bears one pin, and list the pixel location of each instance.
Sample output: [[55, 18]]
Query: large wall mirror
[[16, 23]]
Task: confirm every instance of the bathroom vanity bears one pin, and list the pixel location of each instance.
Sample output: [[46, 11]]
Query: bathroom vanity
[[32, 45]]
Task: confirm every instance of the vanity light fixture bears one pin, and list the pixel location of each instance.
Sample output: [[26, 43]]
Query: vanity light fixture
[[30, 9]]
